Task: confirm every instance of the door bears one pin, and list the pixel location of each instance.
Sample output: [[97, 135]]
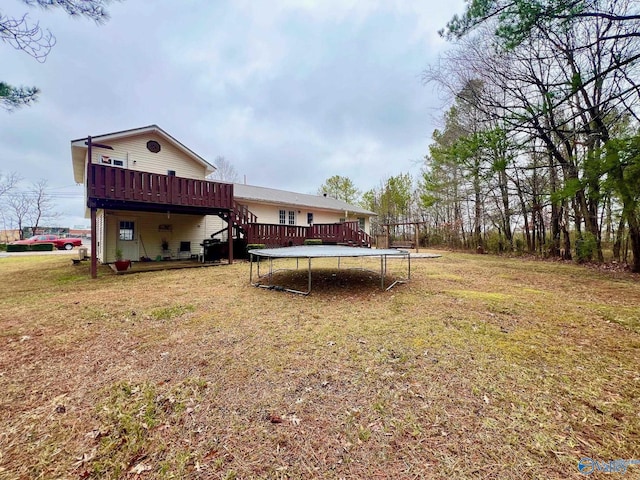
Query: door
[[128, 239]]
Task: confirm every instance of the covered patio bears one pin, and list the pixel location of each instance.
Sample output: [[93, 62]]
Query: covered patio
[[152, 266]]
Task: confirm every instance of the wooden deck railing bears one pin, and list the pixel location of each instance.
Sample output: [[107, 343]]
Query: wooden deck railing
[[107, 183], [275, 234], [113, 183], [243, 215], [285, 235], [345, 232]]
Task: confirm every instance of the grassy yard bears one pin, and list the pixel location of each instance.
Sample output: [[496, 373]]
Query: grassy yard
[[480, 367]]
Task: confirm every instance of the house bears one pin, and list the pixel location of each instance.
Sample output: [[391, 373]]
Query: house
[[147, 197], [314, 216]]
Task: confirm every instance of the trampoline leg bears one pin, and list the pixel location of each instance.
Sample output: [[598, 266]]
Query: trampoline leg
[[382, 259], [270, 270], [251, 268], [309, 286]]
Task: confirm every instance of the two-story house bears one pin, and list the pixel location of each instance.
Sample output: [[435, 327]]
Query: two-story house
[[148, 197]]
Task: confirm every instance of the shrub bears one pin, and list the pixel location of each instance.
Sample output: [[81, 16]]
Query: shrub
[[17, 248], [313, 241], [255, 246], [586, 247], [495, 243], [41, 247], [519, 244], [3, 247]]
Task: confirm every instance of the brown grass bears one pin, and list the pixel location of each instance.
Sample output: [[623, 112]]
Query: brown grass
[[480, 367]]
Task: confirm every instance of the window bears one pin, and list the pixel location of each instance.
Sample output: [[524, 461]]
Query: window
[[171, 173], [126, 230], [153, 146], [116, 162], [292, 217], [361, 223], [309, 218], [281, 217]]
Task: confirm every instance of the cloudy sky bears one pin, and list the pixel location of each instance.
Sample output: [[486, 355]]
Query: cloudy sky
[[290, 92]]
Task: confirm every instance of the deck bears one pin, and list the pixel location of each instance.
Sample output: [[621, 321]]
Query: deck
[[113, 187], [276, 235], [110, 187]]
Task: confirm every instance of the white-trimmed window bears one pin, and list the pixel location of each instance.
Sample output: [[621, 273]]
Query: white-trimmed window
[[126, 230], [112, 161], [292, 217], [282, 217]]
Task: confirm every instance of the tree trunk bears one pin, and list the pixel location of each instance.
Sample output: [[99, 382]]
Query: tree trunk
[[477, 222], [506, 224], [565, 232], [554, 248], [634, 237], [619, 235]]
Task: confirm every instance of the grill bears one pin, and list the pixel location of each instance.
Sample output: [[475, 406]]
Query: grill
[[212, 249]]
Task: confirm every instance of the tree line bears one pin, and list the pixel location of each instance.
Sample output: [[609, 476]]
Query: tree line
[[539, 149]]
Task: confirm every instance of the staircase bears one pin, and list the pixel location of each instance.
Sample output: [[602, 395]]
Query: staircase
[[241, 217]]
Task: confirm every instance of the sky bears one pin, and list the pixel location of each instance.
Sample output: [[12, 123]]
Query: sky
[[289, 92]]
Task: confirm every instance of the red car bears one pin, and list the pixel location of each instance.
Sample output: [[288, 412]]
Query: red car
[[59, 242]]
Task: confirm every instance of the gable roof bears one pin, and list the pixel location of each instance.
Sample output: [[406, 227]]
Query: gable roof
[[79, 147], [283, 197]]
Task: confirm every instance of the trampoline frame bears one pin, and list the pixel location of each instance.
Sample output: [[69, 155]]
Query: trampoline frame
[[322, 251]]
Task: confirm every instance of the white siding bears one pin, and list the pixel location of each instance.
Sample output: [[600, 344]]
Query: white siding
[[213, 225], [133, 151], [100, 236], [109, 238], [175, 229], [269, 213]]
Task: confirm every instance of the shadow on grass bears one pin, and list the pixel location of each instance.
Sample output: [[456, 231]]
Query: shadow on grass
[[329, 282]]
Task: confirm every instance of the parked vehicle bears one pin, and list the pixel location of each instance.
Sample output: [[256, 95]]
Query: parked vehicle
[[59, 242]]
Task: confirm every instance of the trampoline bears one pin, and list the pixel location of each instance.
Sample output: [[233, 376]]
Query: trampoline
[[323, 251]]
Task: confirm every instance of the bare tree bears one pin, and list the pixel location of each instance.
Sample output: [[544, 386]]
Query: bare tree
[[19, 206], [225, 171], [8, 183], [41, 207], [28, 209]]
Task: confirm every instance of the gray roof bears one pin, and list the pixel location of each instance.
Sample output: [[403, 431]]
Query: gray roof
[[282, 197]]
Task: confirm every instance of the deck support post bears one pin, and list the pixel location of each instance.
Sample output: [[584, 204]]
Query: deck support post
[[94, 242], [230, 237]]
